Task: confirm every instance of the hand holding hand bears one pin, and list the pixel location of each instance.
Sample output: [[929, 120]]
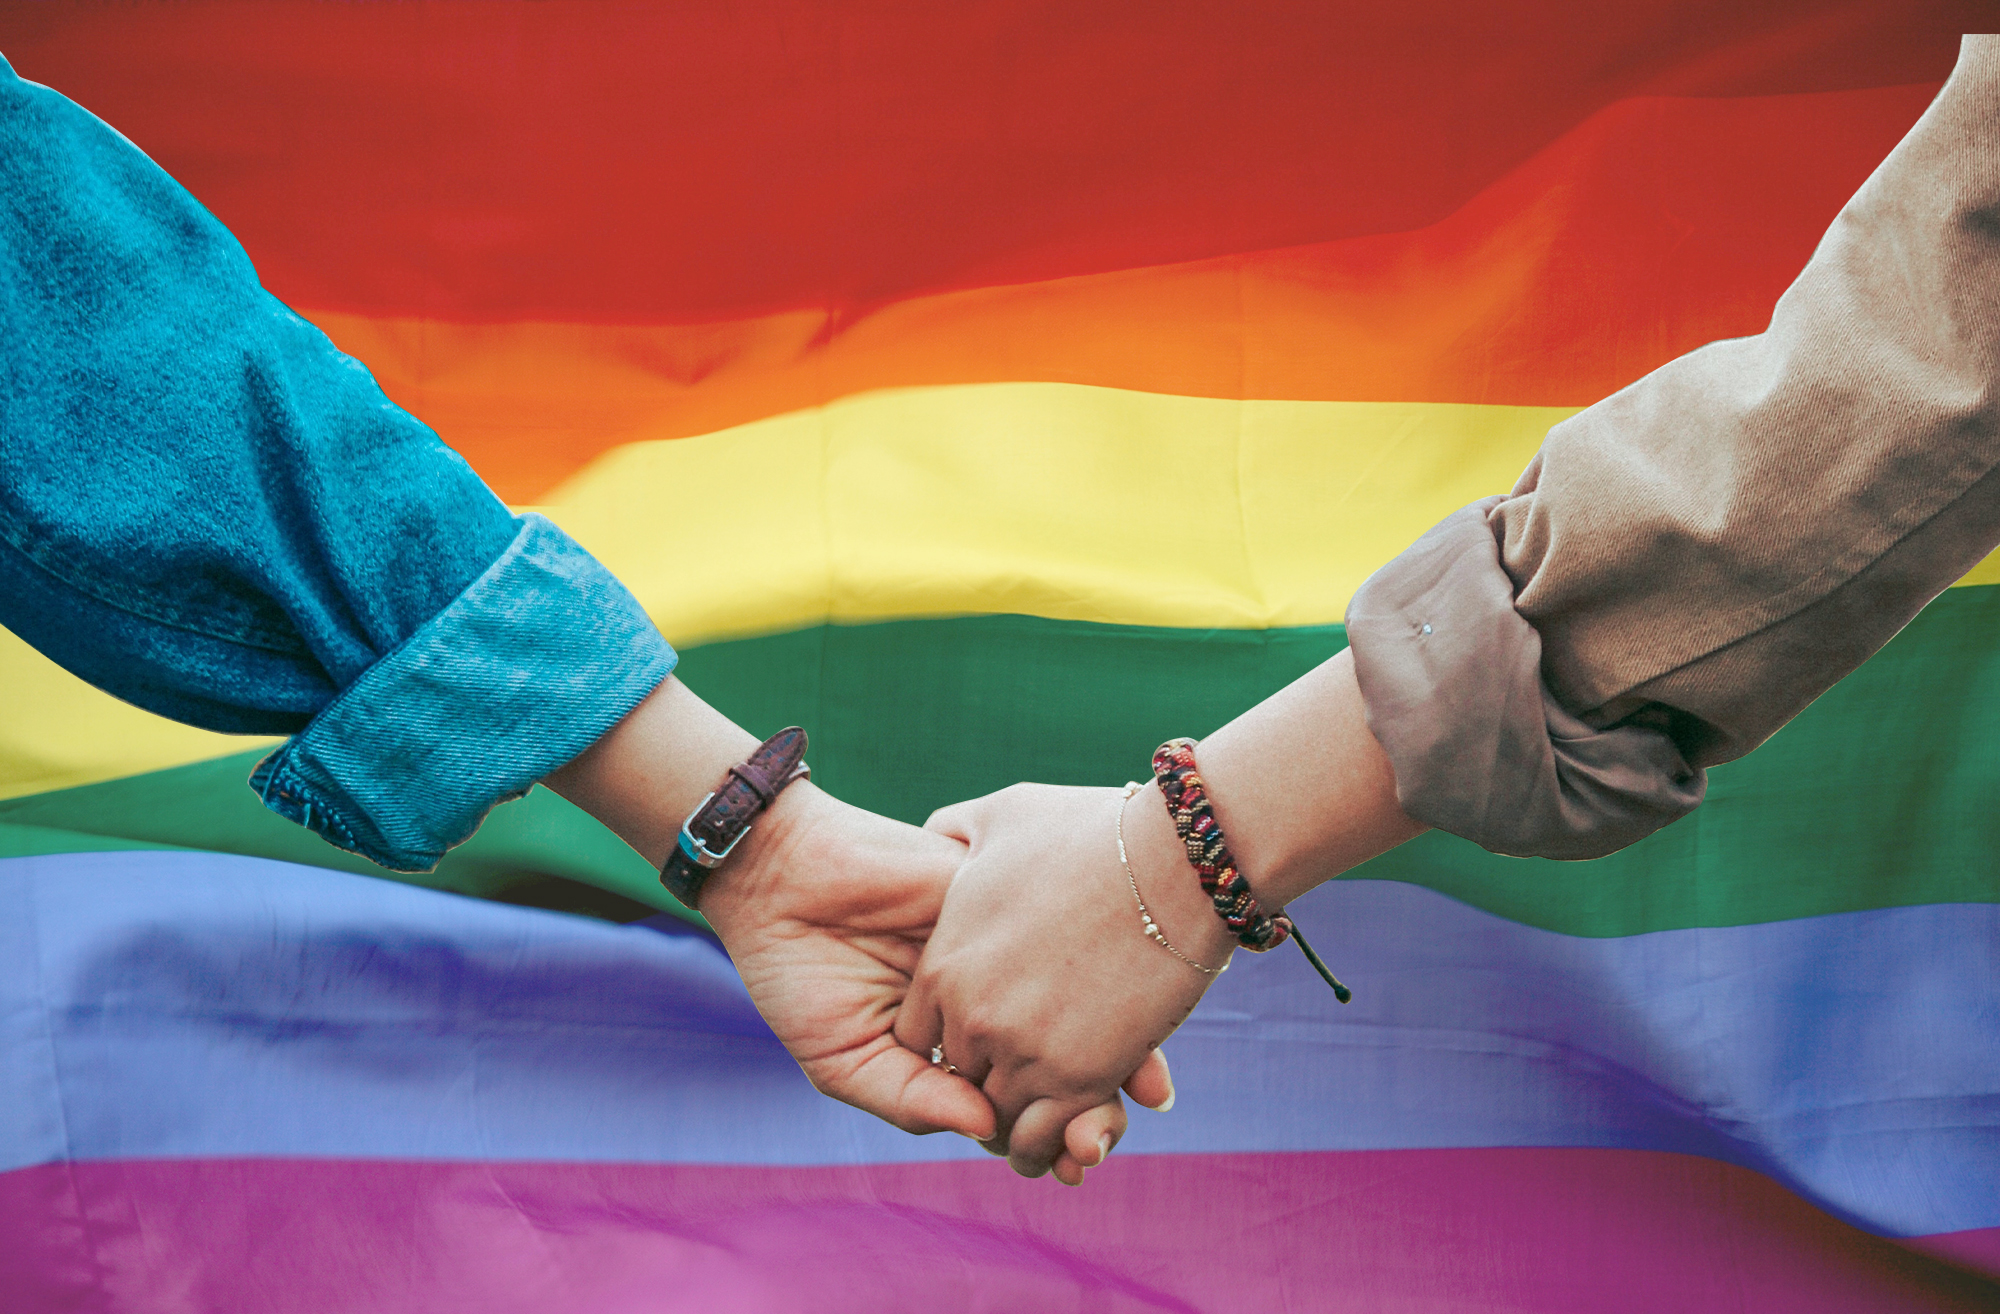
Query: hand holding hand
[[824, 911], [825, 919], [1040, 981]]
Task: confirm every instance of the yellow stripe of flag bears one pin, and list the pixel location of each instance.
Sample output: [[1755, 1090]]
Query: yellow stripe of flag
[[1056, 500]]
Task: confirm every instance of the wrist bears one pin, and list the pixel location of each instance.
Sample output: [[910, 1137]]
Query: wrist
[[1300, 786], [649, 771], [649, 774], [748, 887], [1168, 883], [1278, 859]]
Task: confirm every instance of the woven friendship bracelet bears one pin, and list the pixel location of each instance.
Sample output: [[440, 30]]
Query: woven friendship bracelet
[[1208, 853], [1151, 927]]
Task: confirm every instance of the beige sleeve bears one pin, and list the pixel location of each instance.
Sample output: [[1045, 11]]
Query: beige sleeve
[[1702, 554]]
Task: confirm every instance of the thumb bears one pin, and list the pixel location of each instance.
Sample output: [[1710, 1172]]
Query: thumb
[[1152, 1085], [903, 1089], [959, 821]]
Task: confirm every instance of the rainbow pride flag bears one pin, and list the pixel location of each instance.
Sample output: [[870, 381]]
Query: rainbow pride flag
[[968, 304]]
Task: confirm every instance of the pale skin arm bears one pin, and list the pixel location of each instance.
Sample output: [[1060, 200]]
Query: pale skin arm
[[1038, 979], [823, 908], [1301, 786]]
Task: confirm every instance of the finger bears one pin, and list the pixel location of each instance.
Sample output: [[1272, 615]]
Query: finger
[[1091, 1134], [1006, 1107], [975, 1068], [1037, 1137], [904, 1089], [1013, 1091], [1153, 1084], [921, 1029], [920, 1018], [1088, 1139]]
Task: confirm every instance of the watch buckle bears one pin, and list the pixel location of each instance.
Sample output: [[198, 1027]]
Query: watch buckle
[[699, 853]]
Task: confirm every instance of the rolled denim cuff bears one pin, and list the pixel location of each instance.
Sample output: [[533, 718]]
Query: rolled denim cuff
[[538, 657], [1452, 677]]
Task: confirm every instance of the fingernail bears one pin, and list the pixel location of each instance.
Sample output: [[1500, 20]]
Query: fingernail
[[968, 1136], [1167, 1103], [1103, 1147]]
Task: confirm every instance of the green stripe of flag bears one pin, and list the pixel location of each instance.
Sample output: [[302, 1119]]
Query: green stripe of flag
[[1881, 794]]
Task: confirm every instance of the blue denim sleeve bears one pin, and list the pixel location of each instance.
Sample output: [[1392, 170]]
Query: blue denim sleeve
[[209, 511]]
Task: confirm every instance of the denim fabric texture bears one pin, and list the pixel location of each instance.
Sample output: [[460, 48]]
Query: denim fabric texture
[[209, 511]]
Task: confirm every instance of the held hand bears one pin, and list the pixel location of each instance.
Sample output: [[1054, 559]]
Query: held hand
[[824, 911], [825, 919], [1040, 981], [1090, 1135]]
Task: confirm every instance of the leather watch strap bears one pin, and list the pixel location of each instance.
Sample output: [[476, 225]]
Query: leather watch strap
[[724, 817]]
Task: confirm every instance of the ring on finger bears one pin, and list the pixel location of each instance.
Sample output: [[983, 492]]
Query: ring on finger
[[938, 1060]]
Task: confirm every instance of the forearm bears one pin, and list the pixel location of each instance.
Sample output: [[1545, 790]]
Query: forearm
[[1689, 563], [1303, 793], [1712, 513], [1302, 789], [209, 511]]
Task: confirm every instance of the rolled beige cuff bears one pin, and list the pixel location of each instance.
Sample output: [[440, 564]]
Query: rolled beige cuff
[[1452, 677]]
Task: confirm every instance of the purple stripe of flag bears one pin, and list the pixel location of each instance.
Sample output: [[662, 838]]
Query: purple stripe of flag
[[1559, 1231]]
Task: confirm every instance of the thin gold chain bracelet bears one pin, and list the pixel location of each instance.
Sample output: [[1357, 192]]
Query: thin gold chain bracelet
[[1152, 928]]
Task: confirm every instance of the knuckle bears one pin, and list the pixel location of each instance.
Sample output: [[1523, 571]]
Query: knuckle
[[1074, 1081], [980, 1029]]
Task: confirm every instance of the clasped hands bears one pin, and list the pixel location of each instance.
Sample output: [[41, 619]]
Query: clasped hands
[[1005, 933]]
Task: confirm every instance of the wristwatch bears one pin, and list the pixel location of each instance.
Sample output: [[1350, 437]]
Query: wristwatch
[[722, 819]]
